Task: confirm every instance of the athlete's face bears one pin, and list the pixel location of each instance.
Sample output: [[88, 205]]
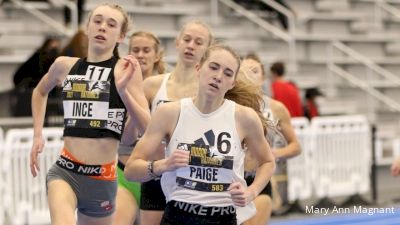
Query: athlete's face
[[254, 70], [143, 48], [217, 73], [192, 43], [104, 28]]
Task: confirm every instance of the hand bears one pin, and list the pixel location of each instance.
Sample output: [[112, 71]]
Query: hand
[[396, 167], [239, 194], [125, 72], [178, 158], [37, 147]]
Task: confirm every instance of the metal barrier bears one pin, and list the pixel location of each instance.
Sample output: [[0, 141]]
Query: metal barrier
[[341, 155], [25, 196], [298, 171], [396, 148], [335, 161]]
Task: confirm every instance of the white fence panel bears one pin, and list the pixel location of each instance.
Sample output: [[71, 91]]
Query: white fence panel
[[298, 171], [396, 148], [341, 159], [26, 197]]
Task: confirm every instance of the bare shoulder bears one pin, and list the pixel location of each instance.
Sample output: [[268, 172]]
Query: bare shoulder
[[166, 116], [278, 109], [61, 67], [169, 109], [151, 86], [65, 62], [246, 116], [248, 123], [154, 81]]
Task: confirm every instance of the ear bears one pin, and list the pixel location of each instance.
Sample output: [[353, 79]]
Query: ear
[[158, 56], [121, 38], [198, 67]]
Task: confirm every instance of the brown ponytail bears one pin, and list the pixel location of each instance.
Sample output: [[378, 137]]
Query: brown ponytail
[[248, 94]]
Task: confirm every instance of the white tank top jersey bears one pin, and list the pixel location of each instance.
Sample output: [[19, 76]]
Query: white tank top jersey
[[267, 112], [161, 95], [274, 135], [216, 156]]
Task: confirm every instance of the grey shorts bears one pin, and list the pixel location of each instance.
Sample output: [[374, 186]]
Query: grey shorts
[[96, 198]]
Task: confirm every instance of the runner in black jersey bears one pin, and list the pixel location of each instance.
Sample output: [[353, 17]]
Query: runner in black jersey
[[98, 93]]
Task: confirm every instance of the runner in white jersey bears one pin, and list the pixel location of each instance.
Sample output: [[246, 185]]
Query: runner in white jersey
[[202, 172], [182, 82], [281, 137]]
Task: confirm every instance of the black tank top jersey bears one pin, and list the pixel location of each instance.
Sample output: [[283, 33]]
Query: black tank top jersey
[[92, 105]]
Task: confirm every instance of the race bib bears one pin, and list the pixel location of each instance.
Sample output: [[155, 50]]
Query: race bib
[[86, 105], [206, 172]]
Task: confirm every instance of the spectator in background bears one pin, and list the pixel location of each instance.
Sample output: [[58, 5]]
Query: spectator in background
[[32, 70], [29, 74], [285, 91], [77, 46], [310, 105]]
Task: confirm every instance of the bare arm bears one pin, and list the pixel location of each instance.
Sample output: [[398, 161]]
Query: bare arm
[[259, 148], [56, 74], [161, 125], [293, 148], [129, 82], [150, 88]]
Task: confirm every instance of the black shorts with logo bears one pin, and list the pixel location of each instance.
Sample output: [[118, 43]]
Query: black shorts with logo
[[182, 213]]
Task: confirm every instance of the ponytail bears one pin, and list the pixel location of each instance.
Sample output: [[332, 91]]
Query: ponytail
[[248, 94]]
